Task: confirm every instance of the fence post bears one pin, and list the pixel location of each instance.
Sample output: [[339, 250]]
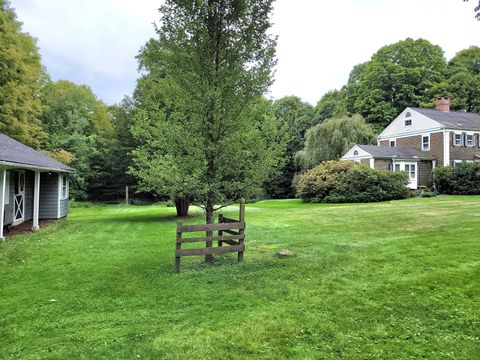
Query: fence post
[[220, 232], [178, 247], [242, 230], [126, 195]]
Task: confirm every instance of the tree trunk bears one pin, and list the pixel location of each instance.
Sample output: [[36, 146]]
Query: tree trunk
[[209, 220], [182, 204]]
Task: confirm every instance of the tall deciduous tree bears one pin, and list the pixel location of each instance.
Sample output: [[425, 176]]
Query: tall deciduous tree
[[332, 104], [21, 77], [214, 140], [77, 122], [397, 76], [333, 138], [296, 117], [463, 81]]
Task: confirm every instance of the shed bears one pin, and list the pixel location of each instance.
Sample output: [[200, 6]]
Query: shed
[[33, 186]]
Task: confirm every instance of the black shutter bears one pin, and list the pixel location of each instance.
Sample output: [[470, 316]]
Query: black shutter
[[464, 139]]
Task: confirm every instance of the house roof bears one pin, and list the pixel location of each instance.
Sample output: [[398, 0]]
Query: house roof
[[16, 153], [397, 152], [454, 119]]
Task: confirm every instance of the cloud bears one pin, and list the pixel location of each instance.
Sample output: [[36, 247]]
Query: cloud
[[95, 41]]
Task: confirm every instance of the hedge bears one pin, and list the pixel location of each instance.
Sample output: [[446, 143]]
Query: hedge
[[463, 179]]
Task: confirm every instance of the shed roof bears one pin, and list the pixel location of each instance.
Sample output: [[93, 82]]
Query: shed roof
[[453, 119], [16, 153], [398, 152]]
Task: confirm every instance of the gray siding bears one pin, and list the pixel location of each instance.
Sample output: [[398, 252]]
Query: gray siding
[[63, 208], [48, 196]]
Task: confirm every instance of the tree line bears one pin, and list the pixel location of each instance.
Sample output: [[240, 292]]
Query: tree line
[[198, 128]]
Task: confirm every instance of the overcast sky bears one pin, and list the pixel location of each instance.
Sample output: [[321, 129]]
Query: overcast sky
[[95, 42]]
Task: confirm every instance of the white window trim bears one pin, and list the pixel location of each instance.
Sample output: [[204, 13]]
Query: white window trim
[[455, 138], [390, 142], [7, 188], [405, 122], [466, 140], [64, 196], [426, 135]]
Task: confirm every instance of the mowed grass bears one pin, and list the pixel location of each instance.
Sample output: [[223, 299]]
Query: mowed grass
[[396, 280]]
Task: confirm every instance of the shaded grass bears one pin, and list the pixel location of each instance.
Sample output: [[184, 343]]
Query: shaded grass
[[394, 280]]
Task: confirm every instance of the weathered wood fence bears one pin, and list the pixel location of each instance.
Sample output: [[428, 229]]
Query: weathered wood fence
[[235, 238]]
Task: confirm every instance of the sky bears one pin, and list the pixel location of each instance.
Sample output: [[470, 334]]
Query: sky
[[95, 42]]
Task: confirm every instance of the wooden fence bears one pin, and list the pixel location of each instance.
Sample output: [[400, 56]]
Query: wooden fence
[[235, 238]]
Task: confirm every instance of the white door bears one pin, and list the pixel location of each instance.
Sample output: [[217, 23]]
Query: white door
[[19, 197], [412, 170]]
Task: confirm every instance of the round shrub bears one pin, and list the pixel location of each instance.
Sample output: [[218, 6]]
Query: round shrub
[[316, 184], [340, 182]]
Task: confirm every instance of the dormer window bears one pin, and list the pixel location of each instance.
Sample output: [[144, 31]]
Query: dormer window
[[408, 119]]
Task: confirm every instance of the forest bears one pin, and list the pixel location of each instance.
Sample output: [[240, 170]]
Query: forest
[[110, 145]]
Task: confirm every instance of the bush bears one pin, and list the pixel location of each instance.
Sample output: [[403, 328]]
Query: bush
[[463, 179], [340, 182], [317, 183]]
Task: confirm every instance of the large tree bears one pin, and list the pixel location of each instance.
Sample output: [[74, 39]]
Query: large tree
[[296, 116], [332, 104], [333, 138], [397, 76], [214, 140], [21, 78], [462, 82], [77, 123]]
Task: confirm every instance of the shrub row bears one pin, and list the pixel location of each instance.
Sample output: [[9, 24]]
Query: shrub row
[[343, 181], [463, 179]]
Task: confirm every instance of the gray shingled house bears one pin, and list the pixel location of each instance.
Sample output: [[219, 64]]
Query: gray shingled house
[[33, 186]]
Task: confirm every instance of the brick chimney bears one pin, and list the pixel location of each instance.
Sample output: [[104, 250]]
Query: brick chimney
[[443, 104]]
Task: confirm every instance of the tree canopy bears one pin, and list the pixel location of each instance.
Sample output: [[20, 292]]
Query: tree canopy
[[76, 122], [397, 76], [21, 77], [212, 135], [295, 117]]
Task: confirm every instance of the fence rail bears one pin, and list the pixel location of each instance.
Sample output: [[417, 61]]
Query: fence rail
[[235, 238]]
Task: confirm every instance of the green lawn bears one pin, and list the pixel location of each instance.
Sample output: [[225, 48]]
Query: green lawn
[[396, 280]]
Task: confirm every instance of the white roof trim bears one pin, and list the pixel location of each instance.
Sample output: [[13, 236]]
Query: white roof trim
[[8, 164]]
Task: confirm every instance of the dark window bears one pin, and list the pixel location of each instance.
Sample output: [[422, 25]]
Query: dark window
[[355, 152], [393, 143], [408, 122]]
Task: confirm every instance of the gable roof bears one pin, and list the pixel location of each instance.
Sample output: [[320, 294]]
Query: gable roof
[[454, 119], [16, 153], [398, 152]]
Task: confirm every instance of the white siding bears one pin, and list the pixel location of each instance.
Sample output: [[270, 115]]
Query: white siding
[[420, 124]]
